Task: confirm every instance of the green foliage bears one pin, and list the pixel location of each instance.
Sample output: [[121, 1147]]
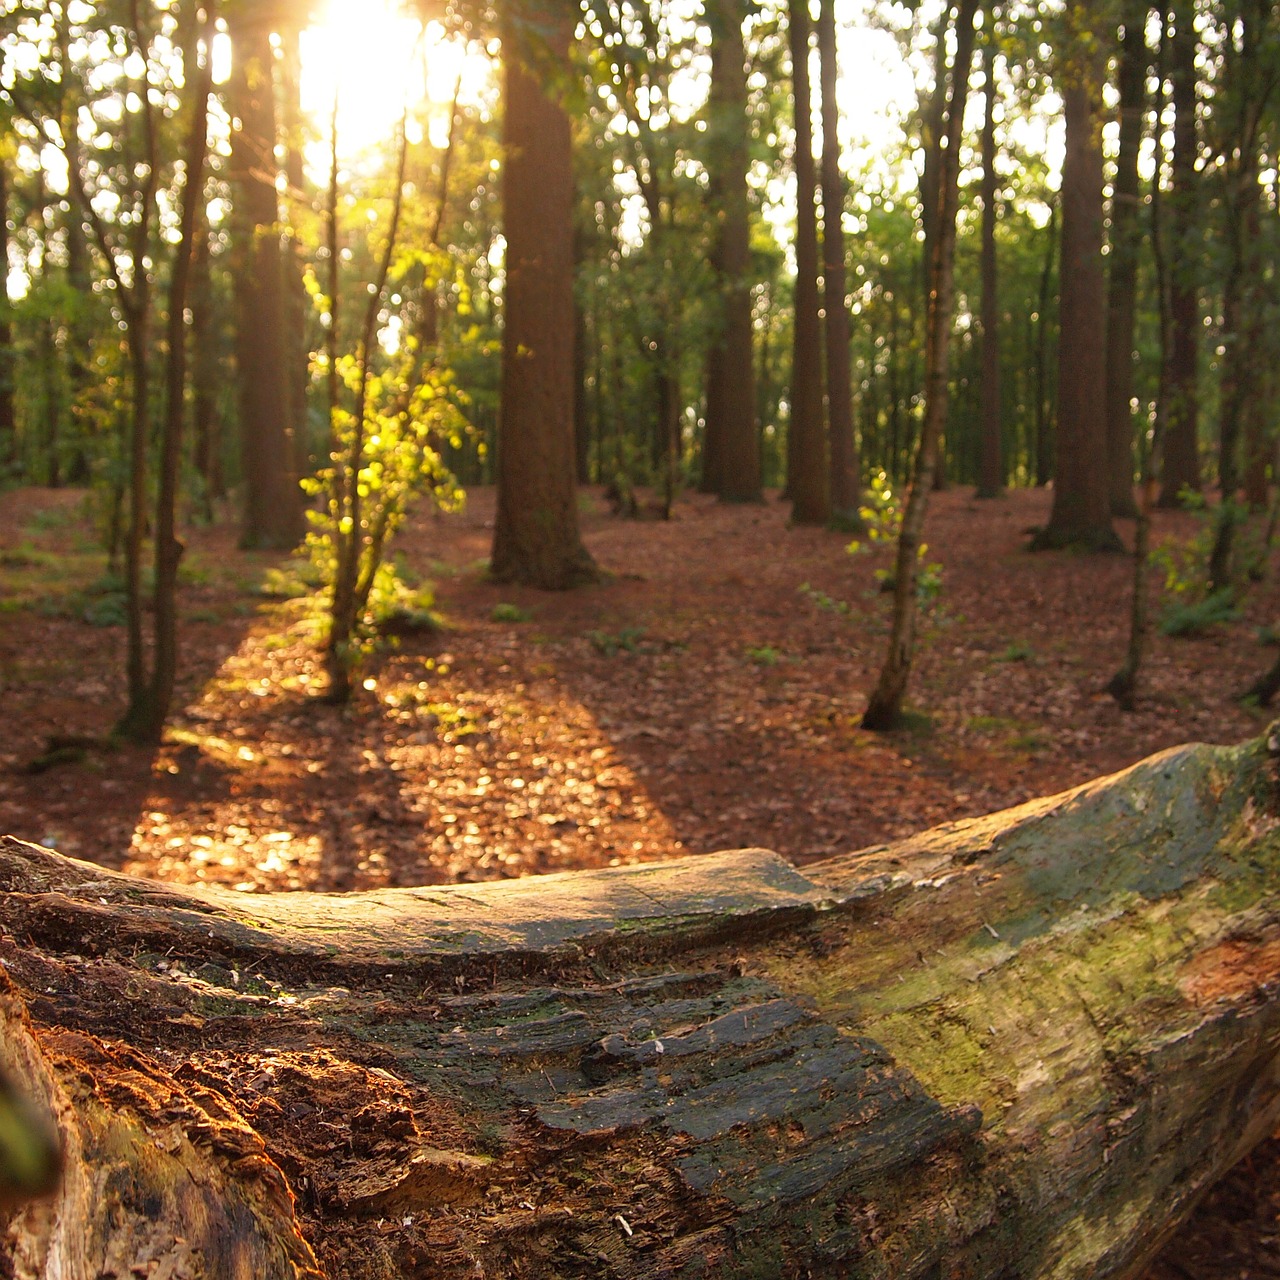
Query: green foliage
[[627, 640], [408, 412], [764, 655], [298, 577], [828, 604], [1193, 617], [504, 612], [881, 511], [882, 514], [1016, 651]]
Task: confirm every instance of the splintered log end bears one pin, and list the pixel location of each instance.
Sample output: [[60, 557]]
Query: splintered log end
[[1020, 1044]]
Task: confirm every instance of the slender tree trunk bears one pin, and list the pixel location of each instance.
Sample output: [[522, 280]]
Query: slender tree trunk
[[732, 453], [1081, 513], [297, 305], [1181, 462], [808, 480], [846, 470], [206, 380], [991, 466], [1126, 241], [168, 548], [273, 500], [1123, 686], [8, 417], [884, 708], [1043, 416], [536, 538], [1241, 292]]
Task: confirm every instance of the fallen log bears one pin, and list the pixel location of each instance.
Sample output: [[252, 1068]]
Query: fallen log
[[1017, 1046]]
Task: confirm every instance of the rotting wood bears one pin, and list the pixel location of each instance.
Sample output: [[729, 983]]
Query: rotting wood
[[1020, 1045]]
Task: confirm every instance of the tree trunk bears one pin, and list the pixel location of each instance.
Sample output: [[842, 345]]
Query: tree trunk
[[1241, 294], [8, 418], [1181, 464], [1126, 241], [1020, 1045], [536, 538], [273, 500], [846, 470], [206, 381], [1043, 418], [1081, 512], [732, 456], [991, 468], [298, 208], [884, 707], [808, 476]]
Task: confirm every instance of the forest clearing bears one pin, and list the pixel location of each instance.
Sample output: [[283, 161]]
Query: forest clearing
[[704, 696]]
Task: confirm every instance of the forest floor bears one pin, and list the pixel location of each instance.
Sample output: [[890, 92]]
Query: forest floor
[[705, 695]]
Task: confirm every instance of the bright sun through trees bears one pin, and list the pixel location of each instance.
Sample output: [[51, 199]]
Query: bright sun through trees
[[376, 59]]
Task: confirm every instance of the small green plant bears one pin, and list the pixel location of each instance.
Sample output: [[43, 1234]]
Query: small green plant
[[828, 604], [504, 612], [296, 578], [626, 640], [108, 610], [1016, 651], [764, 655], [881, 513], [1194, 617]]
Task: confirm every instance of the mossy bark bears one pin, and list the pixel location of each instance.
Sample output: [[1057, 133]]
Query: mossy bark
[[1018, 1045]]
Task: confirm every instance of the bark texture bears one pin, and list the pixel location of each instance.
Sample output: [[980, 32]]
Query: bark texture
[[808, 472], [1126, 241], [536, 538], [1081, 513], [1018, 1045], [1181, 463], [273, 513], [732, 442]]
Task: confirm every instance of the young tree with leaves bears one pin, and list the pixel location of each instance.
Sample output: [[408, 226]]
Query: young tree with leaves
[[884, 707]]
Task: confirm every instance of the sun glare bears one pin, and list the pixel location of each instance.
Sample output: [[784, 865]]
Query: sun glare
[[376, 59]]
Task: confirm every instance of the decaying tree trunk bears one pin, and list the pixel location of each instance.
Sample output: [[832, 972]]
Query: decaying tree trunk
[[1020, 1045]]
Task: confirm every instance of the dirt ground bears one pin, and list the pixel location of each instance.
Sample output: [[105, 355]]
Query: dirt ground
[[705, 695]]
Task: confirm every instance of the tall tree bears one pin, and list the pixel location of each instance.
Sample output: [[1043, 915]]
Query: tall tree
[[846, 477], [808, 474], [991, 469], [1250, 73], [273, 499], [1081, 512], [732, 449], [8, 418], [1180, 470], [1126, 240], [536, 538], [884, 707]]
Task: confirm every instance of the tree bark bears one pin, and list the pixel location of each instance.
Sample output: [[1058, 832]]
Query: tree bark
[[808, 475], [8, 418], [1019, 1045], [1181, 463], [846, 470], [884, 707], [732, 452], [273, 501], [991, 469], [1082, 498], [536, 538], [1081, 512], [1126, 241]]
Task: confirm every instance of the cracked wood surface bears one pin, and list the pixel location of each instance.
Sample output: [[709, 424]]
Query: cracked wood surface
[[1020, 1045]]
